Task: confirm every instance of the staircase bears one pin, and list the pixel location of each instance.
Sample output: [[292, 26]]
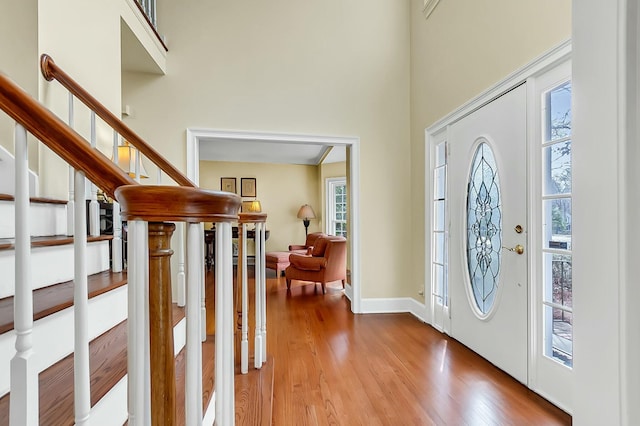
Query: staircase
[[60, 327], [53, 311]]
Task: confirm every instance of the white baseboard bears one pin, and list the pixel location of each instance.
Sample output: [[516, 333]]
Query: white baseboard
[[394, 305]]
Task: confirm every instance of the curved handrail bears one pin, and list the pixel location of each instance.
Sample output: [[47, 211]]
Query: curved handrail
[[60, 138], [159, 203], [252, 217], [52, 71]]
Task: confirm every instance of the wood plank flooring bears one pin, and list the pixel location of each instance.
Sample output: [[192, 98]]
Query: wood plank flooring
[[333, 367]]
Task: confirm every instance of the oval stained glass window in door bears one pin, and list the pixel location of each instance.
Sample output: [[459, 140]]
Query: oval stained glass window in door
[[484, 228]]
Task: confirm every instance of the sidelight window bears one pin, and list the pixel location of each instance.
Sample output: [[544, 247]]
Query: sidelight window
[[557, 233]]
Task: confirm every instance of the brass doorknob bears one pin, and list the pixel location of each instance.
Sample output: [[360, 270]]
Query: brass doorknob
[[518, 249]]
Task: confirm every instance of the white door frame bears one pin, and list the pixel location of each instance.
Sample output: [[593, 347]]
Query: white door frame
[[195, 135], [435, 133]]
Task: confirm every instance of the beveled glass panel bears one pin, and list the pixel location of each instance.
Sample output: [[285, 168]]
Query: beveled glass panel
[[559, 344], [484, 228], [557, 226], [559, 288], [559, 112], [557, 168], [438, 287]]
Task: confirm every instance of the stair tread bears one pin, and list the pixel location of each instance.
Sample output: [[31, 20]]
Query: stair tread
[[50, 241], [40, 200], [108, 365], [57, 297]]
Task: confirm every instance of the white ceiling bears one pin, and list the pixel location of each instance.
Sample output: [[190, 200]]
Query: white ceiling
[[263, 151]]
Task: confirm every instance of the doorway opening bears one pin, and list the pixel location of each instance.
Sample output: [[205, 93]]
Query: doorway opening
[[197, 137]]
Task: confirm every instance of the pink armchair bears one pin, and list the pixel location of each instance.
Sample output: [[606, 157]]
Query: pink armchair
[[311, 238], [326, 263]]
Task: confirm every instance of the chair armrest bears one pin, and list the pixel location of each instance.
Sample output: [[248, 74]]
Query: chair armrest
[[297, 247], [307, 263]]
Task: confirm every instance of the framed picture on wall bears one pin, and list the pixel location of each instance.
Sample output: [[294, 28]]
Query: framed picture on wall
[[248, 187], [228, 184]]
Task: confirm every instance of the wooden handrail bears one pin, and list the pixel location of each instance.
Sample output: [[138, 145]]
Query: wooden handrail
[[52, 71], [159, 203], [252, 217], [60, 138]]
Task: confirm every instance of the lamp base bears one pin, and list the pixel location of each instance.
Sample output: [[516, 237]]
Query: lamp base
[[306, 223]]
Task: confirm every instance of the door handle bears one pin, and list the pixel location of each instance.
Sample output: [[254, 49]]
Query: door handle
[[517, 249]]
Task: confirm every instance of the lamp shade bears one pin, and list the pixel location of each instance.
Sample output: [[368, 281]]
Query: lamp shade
[[254, 206], [306, 212], [127, 157]]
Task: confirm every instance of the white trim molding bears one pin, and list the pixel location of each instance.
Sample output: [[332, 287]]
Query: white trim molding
[[429, 6], [394, 305], [196, 135]]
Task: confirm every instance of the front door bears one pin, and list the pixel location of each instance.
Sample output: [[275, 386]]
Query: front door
[[488, 235]]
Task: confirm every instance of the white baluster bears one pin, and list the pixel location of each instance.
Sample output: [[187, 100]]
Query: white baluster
[[94, 208], [193, 380], [224, 386], [116, 243], [137, 162], [138, 276], [70, 203], [203, 304], [260, 255], [24, 376], [244, 341], [258, 350], [81, 370], [181, 284]]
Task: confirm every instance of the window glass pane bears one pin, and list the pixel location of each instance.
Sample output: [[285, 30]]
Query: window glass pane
[[559, 112], [438, 278], [440, 183], [439, 216], [557, 226], [438, 249], [440, 159], [558, 270], [557, 174], [559, 342], [484, 228]]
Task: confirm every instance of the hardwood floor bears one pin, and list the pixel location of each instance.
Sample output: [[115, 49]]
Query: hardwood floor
[[333, 367]]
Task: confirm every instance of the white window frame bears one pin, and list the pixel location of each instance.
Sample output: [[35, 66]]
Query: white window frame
[[330, 223], [439, 304]]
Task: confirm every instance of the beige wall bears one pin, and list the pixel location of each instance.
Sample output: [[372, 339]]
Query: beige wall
[[19, 60], [463, 48], [324, 67], [281, 190], [84, 39]]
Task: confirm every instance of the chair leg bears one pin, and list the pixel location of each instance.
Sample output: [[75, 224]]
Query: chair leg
[[322, 287], [343, 281], [288, 284]]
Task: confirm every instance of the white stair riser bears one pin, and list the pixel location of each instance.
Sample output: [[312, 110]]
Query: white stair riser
[[112, 408], [52, 265], [45, 219], [53, 335]]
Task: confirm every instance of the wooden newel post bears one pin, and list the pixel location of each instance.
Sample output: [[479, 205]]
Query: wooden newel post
[[163, 383]]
